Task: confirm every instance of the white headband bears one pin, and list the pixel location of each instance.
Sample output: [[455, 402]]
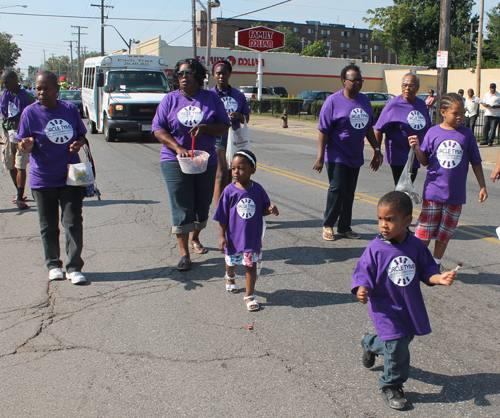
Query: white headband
[[248, 156]]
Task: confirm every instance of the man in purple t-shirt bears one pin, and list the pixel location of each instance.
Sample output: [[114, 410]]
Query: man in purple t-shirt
[[345, 120], [404, 116], [387, 277]]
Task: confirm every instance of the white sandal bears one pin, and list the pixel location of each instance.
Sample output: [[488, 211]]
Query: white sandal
[[231, 288], [253, 303]]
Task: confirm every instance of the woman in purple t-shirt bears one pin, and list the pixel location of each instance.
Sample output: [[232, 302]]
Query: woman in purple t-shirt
[[52, 132], [189, 112], [237, 108]]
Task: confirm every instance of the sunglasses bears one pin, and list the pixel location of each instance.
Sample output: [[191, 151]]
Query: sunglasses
[[355, 80], [187, 73]]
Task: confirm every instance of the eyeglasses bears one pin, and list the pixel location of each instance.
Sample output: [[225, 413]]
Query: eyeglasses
[[355, 80], [410, 86], [187, 73]]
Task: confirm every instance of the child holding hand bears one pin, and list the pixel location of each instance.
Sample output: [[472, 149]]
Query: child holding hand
[[387, 277], [446, 151], [240, 213]]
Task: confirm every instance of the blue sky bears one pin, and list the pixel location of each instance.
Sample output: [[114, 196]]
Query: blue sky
[[49, 33]]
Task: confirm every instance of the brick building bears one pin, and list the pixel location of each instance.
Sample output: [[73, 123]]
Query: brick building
[[340, 41]]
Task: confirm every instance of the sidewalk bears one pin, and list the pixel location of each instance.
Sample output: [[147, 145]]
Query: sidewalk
[[309, 130]]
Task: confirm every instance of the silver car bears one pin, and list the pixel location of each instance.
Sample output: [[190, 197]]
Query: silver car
[[376, 97], [251, 92]]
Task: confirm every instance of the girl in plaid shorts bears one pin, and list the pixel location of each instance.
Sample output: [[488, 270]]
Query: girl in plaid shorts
[[446, 151]]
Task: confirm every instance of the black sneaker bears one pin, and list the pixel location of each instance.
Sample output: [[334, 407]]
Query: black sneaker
[[394, 397], [441, 268], [368, 357]]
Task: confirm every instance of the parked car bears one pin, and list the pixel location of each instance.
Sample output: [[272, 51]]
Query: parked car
[[73, 96], [251, 92], [376, 97], [280, 91], [309, 97]]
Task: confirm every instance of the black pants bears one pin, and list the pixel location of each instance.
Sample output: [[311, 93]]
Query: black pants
[[490, 128], [470, 122], [70, 199]]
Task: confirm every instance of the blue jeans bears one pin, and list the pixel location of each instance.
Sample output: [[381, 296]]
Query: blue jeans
[[396, 358], [343, 180], [190, 196], [490, 128], [70, 199]]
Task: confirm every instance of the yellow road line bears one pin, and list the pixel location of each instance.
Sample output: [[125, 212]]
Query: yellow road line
[[473, 231]]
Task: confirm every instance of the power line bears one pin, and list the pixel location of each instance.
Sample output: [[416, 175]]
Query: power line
[[93, 18]]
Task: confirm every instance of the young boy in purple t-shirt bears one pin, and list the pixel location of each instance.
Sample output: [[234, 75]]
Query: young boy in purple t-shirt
[[388, 277]]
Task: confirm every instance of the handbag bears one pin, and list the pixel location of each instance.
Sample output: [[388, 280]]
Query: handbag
[[404, 183], [83, 173], [237, 140]]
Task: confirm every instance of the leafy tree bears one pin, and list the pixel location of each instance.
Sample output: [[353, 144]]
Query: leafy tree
[[491, 50], [317, 49], [9, 51], [410, 28]]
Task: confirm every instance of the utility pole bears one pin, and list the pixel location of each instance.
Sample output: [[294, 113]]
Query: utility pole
[[102, 7], [444, 45], [79, 75], [471, 39], [193, 29], [479, 46], [71, 58]]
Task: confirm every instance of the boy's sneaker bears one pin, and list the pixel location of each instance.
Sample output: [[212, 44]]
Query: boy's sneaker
[[76, 277], [56, 274], [368, 357], [394, 397]]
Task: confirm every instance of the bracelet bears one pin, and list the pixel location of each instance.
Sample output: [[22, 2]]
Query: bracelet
[[376, 149]]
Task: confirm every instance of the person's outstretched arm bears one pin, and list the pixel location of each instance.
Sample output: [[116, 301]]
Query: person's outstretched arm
[[478, 172]]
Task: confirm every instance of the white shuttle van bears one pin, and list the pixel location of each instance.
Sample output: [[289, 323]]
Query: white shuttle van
[[120, 93]]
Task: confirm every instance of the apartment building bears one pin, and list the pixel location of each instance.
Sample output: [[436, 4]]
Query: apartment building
[[340, 41]]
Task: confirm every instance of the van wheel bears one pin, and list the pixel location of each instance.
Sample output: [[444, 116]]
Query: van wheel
[[109, 133], [93, 127]]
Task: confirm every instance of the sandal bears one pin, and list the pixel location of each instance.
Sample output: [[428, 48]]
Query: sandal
[[231, 287], [184, 263], [22, 206], [253, 305], [198, 248], [349, 234], [22, 199], [328, 234]]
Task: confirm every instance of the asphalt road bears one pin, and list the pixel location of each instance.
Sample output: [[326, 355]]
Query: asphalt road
[[143, 339]]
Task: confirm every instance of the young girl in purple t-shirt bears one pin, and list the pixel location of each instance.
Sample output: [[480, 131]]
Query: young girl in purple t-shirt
[[446, 151], [240, 213]]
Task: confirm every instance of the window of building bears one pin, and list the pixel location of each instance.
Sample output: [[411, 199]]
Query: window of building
[[309, 42], [327, 43], [344, 55], [310, 31], [376, 58], [325, 31], [344, 45], [330, 53], [347, 34], [296, 30], [376, 48]]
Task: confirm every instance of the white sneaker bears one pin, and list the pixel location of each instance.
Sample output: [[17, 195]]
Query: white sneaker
[[76, 277], [56, 274]]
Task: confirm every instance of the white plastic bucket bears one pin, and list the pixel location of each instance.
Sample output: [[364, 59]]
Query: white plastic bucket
[[196, 165]]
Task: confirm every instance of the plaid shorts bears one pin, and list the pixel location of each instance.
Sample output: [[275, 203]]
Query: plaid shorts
[[437, 220], [245, 259]]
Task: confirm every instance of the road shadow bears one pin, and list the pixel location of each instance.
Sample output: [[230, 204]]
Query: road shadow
[[308, 255], [104, 202], [478, 279], [276, 223], [305, 298]]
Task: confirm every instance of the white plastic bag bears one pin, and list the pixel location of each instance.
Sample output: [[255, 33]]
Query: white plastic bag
[[405, 184], [237, 140], [80, 174]]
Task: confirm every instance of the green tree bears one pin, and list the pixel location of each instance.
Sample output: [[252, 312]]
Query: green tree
[[410, 28], [491, 49], [9, 51], [317, 49]]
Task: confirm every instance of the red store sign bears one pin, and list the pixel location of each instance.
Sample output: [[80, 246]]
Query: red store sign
[[260, 38]]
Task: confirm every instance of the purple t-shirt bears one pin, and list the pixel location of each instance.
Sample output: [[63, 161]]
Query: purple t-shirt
[[392, 273], [449, 153], [399, 120], [234, 102], [241, 211], [178, 115], [54, 130], [346, 123]]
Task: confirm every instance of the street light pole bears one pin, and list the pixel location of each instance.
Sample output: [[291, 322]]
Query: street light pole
[[129, 44], [208, 64]]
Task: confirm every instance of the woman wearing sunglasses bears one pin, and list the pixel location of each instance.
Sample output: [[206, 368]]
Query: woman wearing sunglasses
[[183, 113]]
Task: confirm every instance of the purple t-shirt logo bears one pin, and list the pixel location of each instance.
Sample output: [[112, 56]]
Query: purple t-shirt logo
[[401, 271], [230, 104], [358, 118], [59, 131], [190, 115], [416, 120], [246, 208], [13, 110], [449, 154]]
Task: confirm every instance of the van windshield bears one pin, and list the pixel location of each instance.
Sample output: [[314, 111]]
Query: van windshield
[[139, 81]]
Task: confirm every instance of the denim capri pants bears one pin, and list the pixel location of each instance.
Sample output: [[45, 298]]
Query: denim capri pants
[[190, 196]]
